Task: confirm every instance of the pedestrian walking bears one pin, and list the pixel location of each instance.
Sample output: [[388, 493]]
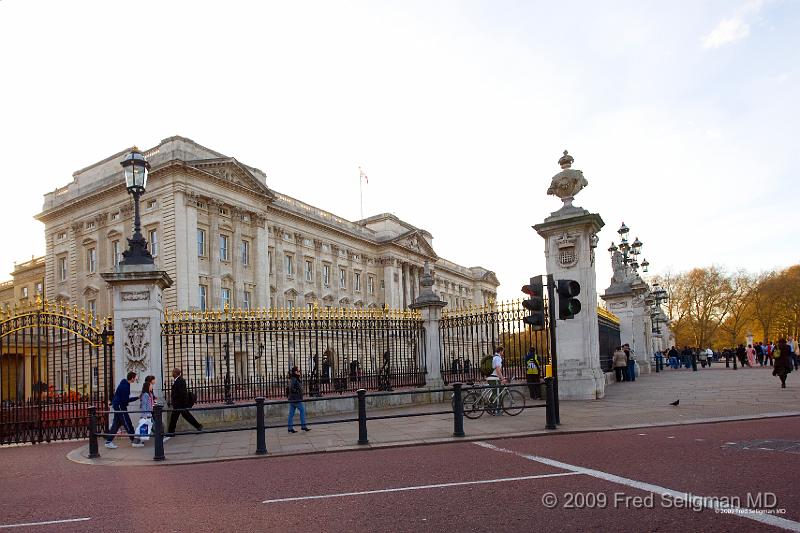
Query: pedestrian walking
[[385, 375], [751, 355], [147, 400], [181, 402], [673, 358], [295, 397], [741, 355], [620, 364], [532, 374], [783, 362], [631, 362], [119, 404]]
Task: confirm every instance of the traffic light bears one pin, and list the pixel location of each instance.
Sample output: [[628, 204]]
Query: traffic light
[[568, 305], [535, 303]]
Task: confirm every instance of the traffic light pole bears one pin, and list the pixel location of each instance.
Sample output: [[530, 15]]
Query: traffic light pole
[[551, 307]]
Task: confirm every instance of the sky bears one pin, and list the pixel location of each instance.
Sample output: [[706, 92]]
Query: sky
[[681, 115]]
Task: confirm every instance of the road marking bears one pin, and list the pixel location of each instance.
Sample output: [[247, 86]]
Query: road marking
[[31, 524], [686, 497], [420, 487]]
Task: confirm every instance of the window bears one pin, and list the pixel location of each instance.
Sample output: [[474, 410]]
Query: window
[[290, 304], [370, 285], [62, 268], [92, 305], [90, 225], [289, 262], [209, 367], [246, 300], [223, 211], [153, 242], [203, 295], [62, 235], [269, 255], [245, 249], [225, 298], [326, 275], [342, 278], [223, 247], [115, 216], [91, 260], [357, 281], [201, 242], [150, 205], [39, 288], [24, 292], [116, 256], [309, 270]]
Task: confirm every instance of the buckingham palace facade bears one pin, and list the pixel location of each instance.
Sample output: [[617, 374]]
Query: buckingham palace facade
[[225, 237]]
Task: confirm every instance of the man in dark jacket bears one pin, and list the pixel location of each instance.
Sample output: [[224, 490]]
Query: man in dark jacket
[[295, 397], [180, 404], [119, 404]]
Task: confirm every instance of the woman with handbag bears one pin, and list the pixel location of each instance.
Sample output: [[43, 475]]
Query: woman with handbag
[[147, 400]]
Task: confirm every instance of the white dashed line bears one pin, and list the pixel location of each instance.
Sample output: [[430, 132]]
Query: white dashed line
[[420, 487], [33, 524]]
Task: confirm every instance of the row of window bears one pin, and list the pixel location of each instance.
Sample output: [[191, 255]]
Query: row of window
[[24, 291], [224, 247], [224, 298], [308, 271], [116, 256]]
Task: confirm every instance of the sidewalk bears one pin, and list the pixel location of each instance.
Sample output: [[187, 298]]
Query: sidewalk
[[708, 395]]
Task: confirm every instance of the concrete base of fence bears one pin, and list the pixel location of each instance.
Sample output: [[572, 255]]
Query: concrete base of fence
[[332, 405]]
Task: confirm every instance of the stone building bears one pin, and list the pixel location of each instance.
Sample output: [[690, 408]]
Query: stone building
[[224, 237], [26, 284]]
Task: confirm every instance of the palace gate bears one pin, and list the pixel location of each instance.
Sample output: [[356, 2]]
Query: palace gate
[[55, 362]]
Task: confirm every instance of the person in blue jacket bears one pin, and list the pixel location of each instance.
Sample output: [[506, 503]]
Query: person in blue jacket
[[122, 396]]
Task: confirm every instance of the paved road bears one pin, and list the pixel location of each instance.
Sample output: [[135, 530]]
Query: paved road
[[495, 485]]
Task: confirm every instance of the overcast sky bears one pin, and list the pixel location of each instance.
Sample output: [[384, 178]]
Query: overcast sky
[[682, 115]]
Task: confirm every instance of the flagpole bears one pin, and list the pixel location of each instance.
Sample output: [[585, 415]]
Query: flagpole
[[361, 192]]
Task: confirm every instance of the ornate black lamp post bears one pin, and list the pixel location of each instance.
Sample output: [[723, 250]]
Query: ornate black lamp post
[[630, 251], [136, 168]]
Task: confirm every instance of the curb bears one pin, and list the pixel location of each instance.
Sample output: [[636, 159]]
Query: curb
[[78, 455]]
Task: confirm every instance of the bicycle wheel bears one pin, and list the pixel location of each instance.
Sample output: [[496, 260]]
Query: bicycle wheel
[[473, 405], [513, 402]]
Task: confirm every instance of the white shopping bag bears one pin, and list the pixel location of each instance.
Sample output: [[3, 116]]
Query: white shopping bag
[[144, 428]]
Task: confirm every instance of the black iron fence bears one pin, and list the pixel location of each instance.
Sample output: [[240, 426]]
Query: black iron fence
[[458, 394], [239, 355], [55, 362], [471, 333]]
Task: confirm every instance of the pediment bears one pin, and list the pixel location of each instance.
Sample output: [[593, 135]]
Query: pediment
[[414, 240], [229, 169]]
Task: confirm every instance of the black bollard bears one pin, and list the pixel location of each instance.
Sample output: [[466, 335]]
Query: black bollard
[[261, 430], [458, 411], [158, 433], [94, 453], [550, 411], [362, 416]]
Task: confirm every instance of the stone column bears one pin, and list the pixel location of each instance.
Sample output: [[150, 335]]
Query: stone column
[[570, 239], [430, 307], [626, 298], [261, 256], [414, 282], [138, 311], [406, 287]]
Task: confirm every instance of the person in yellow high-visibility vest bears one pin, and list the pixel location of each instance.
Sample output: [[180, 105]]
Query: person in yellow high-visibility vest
[[533, 373]]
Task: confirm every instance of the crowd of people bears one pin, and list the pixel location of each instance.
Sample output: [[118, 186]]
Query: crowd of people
[[782, 356]]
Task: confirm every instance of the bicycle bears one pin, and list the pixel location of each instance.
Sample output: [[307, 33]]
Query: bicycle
[[507, 401]]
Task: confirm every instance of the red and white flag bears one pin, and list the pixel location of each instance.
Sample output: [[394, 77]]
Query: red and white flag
[[363, 175]]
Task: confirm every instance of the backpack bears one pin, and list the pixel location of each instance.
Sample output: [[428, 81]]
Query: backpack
[[486, 365], [191, 398]]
